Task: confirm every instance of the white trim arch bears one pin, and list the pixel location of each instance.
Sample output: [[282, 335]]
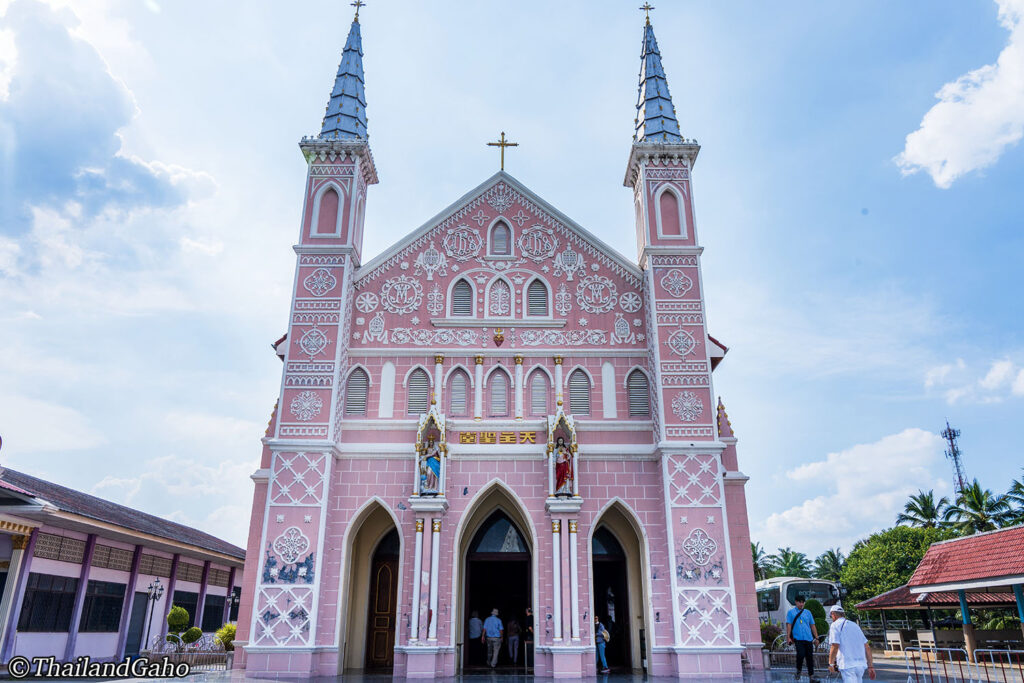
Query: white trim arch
[[511, 296], [568, 373], [539, 366], [526, 299], [495, 367], [450, 310], [459, 366], [430, 375], [684, 228], [359, 366], [511, 238], [629, 371], [314, 217], [528, 389]]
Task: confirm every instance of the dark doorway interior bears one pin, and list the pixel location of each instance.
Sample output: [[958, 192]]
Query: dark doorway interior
[[136, 623], [611, 597], [380, 626], [497, 576]]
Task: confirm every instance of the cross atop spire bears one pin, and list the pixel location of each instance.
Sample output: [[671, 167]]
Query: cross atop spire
[[345, 117], [655, 114], [647, 7]]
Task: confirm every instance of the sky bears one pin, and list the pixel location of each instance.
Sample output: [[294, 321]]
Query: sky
[[858, 196]]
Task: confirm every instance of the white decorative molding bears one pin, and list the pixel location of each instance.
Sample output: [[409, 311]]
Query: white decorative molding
[[291, 544], [319, 282], [596, 294], [687, 406], [401, 294], [366, 302], [700, 547], [306, 405]]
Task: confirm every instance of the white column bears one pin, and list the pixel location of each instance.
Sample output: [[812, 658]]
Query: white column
[[435, 547], [438, 380], [575, 470], [556, 576], [551, 473], [574, 582], [519, 387], [417, 579], [478, 390], [18, 544], [558, 380]]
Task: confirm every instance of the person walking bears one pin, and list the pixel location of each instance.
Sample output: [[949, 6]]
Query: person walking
[[601, 640], [493, 631], [848, 650], [513, 640], [475, 638], [528, 637], [801, 633]]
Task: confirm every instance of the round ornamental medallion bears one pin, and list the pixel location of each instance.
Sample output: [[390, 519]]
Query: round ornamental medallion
[[596, 294], [681, 342], [401, 294], [630, 302], [319, 282], [313, 342], [366, 302], [306, 405], [462, 243], [291, 544], [699, 546], [677, 283], [537, 243], [687, 406]]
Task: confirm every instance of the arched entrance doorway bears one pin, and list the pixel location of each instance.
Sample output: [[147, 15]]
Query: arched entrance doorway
[[380, 623], [497, 577], [618, 567]]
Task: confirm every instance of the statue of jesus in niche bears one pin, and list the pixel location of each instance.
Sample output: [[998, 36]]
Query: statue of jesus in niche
[[563, 468], [430, 468]]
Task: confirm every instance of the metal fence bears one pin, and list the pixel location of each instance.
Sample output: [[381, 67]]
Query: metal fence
[[206, 654], [939, 665], [999, 666], [783, 656]]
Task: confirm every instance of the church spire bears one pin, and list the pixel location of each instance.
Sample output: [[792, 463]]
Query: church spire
[[346, 110], [655, 115]]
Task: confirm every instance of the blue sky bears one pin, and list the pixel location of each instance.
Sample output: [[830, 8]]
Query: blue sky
[[867, 283]]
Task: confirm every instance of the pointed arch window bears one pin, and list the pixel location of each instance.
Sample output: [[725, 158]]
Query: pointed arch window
[[501, 240], [327, 219], [355, 392], [579, 393], [498, 388], [639, 394], [458, 392], [462, 299], [537, 299], [418, 392], [500, 299], [539, 393]]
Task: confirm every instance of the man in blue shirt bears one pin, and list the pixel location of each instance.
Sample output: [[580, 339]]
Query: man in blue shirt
[[493, 630], [802, 634]]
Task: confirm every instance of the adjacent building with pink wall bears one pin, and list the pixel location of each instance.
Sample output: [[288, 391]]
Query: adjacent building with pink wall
[[498, 412]]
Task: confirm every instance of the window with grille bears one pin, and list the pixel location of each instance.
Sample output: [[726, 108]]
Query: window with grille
[[190, 602], [458, 392], [355, 392], [499, 394], [48, 603], [501, 240], [579, 393], [639, 396], [218, 577], [537, 298], [101, 611], [190, 572], [539, 394], [462, 298], [61, 548], [213, 613], [154, 565], [109, 557], [419, 392]]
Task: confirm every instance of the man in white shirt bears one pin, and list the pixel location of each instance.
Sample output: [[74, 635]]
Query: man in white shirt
[[849, 652]]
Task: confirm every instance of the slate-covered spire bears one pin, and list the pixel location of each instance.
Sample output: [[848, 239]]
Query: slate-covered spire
[[655, 115], [346, 110]]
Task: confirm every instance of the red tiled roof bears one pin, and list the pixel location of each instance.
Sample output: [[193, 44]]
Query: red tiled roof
[[12, 487], [988, 555], [78, 503], [902, 598]]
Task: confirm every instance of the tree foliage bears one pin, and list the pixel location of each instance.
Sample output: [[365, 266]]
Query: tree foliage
[[817, 611], [762, 564], [829, 565], [177, 619], [922, 510], [977, 509], [788, 562]]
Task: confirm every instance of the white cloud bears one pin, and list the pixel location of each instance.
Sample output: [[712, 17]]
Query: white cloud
[[961, 383], [851, 493], [30, 425], [999, 374], [979, 115], [1018, 384]]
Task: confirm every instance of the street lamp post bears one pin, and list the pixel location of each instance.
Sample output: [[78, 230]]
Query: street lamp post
[[155, 591]]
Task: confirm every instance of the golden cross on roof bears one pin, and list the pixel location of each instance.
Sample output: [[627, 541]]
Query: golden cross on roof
[[647, 7], [502, 143], [357, 4]]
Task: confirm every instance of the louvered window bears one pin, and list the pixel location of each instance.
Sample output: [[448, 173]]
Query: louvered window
[[639, 396], [355, 393], [458, 389], [579, 393], [501, 240], [499, 394], [538, 394], [419, 392], [462, 298], [537, 295]]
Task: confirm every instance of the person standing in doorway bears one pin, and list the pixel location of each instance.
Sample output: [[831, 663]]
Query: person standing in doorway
[[528, 637], [513, 640], [493, 631], [601, 640], [801, 633], [848, 650], [475, 639]]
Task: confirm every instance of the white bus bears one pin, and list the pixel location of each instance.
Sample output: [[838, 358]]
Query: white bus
[[777, 595]]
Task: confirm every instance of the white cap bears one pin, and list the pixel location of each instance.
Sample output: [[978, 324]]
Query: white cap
[[836, 608]]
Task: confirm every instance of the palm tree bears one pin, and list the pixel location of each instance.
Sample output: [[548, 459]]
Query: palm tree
[[762, 565], [1015, 497], [829, 564], [788, 562], [977, 509], [922, 510]]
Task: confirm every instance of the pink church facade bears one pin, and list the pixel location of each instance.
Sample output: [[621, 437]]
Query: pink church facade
[[500, 411]]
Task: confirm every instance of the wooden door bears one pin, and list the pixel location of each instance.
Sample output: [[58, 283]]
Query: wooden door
[[380, 628]]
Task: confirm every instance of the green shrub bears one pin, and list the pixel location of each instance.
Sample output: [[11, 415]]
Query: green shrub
[[192, 635], [818, 612], [226, 636], [769, 633], [177, 619]]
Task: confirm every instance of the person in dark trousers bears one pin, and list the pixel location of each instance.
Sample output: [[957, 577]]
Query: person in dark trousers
[[600, 641], [513, 629], [802, 634], [475, 639], [528, 637]]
